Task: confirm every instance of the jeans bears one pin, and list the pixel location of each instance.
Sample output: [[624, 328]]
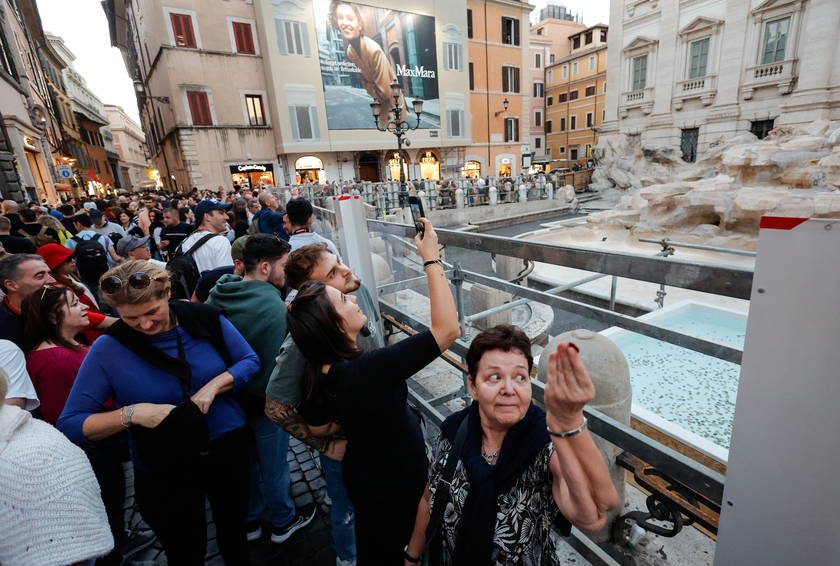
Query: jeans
[[268, 445], [343, 516], [172, 503]]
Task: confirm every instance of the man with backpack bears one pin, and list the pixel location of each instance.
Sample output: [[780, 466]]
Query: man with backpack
[[202, 250], [268, 220], [95, 253], [36, 233]]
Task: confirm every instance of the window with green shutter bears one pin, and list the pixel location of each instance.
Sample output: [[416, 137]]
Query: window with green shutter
[[699, 58]]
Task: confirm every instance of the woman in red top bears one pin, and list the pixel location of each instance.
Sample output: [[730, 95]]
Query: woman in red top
[[62, 264], [52, 319]]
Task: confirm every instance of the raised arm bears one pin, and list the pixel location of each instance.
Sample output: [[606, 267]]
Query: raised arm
[[582, 487], [445, 327]]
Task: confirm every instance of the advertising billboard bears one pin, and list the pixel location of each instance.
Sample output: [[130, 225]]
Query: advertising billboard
[[362, 50]]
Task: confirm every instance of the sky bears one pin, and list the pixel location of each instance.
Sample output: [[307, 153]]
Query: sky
[[84, 29], [82, 25]]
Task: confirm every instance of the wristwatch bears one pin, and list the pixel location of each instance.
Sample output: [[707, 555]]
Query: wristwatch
[[410, 558]]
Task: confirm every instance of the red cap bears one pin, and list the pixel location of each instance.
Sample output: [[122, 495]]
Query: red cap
[[54, 254]]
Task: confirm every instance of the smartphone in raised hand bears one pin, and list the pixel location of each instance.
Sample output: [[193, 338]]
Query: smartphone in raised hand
[[416, 206]]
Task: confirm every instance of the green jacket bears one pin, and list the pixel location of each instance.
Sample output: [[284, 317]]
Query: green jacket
[[257, 311]]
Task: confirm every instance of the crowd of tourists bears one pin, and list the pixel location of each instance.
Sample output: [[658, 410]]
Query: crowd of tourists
[[193, 335]]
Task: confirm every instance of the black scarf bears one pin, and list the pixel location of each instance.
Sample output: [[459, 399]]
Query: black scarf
[[474, 536]]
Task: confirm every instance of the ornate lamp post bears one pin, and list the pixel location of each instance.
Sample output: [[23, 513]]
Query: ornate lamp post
[[398, 127]]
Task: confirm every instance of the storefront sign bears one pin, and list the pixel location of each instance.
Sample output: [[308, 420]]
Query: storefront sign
[[252, 168], [29, 143], [429, 157], [309, 163]]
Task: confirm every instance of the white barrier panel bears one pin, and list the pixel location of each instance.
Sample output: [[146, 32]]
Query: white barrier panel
[[781, 498], [353, 236]]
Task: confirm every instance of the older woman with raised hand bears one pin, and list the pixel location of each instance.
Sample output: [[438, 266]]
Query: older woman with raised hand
[[385, 466], [171, 353], [518, 465]]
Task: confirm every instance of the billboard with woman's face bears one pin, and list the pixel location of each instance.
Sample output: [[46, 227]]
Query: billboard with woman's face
[[362, 50]]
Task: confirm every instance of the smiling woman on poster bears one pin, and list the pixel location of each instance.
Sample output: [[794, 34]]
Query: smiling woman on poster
[[366, 54]]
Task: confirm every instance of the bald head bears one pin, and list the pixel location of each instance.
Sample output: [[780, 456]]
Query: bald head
[[10, 207]]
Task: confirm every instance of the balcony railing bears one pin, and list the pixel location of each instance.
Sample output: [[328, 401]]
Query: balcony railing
[[642, 98], [703, 88], [781, 75]]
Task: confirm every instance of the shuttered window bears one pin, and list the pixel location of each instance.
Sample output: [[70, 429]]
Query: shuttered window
[[510, 79], [590, 90], [510, 31], [511, 129], [256, 110], [182, 29], [472, 78], [244, 38], [469, 24], [199, 108]]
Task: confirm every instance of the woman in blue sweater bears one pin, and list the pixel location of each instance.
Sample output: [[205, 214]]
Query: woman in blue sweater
[[172, 354]]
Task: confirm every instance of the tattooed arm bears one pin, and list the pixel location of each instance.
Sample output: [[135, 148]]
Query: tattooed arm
[[287, 418]]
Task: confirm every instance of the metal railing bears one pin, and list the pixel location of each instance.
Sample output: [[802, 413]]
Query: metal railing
[[385, 196], [704, 485]]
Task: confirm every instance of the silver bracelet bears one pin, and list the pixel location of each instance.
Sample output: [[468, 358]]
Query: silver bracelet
[[125, 415], [568, 433]]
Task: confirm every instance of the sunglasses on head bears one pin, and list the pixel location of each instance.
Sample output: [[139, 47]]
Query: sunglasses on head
[[44, 292], [137, 281]]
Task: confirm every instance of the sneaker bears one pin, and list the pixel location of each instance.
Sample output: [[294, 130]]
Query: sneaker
[[254, 530], [303, 517], [137, 541]]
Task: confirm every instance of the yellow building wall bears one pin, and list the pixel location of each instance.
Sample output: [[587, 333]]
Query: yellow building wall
[[582, 135]]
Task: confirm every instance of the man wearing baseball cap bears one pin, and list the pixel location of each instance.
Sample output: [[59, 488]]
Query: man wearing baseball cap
[[131, 247], [103, 226], [210, 218]]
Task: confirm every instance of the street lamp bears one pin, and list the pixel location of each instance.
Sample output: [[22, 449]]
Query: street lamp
[[398, 127], [506, 106]]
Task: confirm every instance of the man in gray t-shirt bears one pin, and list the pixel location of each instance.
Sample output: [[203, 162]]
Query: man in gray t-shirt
[[283, 393]]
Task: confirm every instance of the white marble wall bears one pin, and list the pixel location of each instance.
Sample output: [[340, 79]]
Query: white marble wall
[[730, 97]]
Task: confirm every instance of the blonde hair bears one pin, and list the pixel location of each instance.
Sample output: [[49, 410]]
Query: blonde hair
[[158, 289], [52, 222]]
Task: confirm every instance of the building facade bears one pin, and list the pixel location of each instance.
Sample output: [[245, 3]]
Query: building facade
[[685, 75], [91, 167], [31, 131], [576, 88], [273, 93], [549, 43], [130, 146], [499, 64]]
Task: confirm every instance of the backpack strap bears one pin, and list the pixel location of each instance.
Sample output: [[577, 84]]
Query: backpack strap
[[42, 231], [198, 244], [27, 235], [444, 485]]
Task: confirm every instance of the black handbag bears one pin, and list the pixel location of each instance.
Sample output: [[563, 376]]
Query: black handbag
[[181, 436]]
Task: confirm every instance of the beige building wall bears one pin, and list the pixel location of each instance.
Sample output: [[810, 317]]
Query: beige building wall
[[129, 142], [549, 39], [495, 151]]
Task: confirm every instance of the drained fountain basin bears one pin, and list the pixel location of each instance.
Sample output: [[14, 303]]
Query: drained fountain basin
[[685, 394]]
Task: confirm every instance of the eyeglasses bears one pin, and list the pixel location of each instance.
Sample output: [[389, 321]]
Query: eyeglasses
[[44, 292], [72, 257], [137, 281]]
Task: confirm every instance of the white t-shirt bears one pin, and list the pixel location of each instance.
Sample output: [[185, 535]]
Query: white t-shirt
[[213, 254], [307, 238], [13, 363]]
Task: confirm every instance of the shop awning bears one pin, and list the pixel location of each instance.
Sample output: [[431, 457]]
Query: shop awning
[[63, 187], [541, 159]]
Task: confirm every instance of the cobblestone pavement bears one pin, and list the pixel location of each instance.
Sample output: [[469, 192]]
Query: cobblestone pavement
[[311, 546]]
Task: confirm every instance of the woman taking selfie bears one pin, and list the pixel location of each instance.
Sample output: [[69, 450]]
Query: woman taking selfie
[[365, 393], [178, 360]]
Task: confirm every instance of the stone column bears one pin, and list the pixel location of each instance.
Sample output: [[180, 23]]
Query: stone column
[[523, 193], [485, 298], [424, 198], [610, 375], [549, 191], [493, 194], [459, 198]]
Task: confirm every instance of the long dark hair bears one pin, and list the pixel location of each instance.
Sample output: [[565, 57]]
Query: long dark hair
[[315, 326], [43, 315]]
